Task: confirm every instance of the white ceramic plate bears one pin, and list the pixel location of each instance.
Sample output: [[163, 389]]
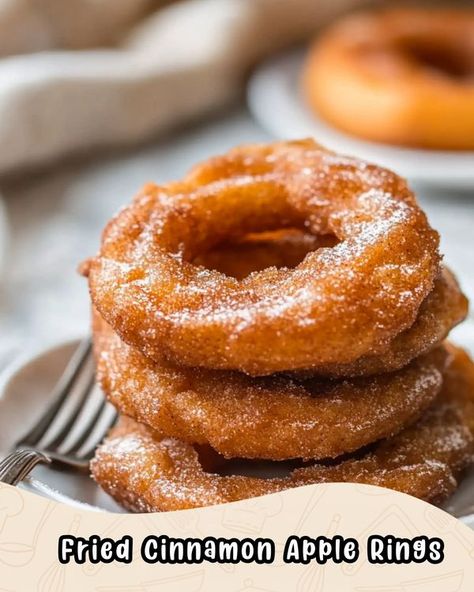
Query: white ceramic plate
[[25, 389], [276, 103]]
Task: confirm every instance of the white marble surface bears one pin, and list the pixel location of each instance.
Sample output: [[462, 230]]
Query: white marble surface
[[56, 218]]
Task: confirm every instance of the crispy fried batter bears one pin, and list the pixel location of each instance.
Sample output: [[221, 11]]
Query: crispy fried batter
[[269, 417], [219, 407], [146, 472], [370, 284], [443, 308]]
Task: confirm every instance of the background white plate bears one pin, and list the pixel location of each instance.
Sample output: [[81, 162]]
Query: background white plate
[[276, 102], [24, 392]]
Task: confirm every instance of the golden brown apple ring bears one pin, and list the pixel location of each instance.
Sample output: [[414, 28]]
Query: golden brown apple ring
[[268, 417], [147, 472], [370, 285], [442, 309], [400, 76]]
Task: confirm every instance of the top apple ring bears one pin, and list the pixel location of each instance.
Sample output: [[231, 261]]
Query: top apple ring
[[370, 284]]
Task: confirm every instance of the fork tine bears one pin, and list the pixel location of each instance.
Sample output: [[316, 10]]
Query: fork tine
[[61, 391], [73, 413], [29, 464], [87, 425], [88, 429], [8, 462], [112, 421], [18, 464], [88, 452]]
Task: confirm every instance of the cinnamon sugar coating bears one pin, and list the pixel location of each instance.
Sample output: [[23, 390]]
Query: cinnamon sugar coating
[[148, 472], [268, 417], [371, 284], [443, 308], [237, 415]]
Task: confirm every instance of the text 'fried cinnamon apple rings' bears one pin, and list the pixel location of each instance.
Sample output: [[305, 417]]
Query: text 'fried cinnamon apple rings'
[[371, 284], [146, 472], [237, 415]]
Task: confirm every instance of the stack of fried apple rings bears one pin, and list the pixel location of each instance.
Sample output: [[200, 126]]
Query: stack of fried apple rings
[[277, 318]]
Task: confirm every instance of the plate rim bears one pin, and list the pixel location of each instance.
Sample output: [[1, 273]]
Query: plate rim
[[275, 78]]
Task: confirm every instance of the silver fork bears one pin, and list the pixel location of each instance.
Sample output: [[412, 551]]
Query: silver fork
[[71, 427]]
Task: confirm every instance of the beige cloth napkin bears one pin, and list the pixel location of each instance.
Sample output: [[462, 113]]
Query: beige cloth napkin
[[170, 65], [37, 25]]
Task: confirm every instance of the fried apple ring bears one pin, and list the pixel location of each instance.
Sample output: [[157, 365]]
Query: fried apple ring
[[399, 76], [237, 414], [371, 284], [442, 309], [211, 406], [146, 472]]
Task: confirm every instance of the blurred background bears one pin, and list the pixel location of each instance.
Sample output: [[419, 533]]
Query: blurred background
[[98, 97]]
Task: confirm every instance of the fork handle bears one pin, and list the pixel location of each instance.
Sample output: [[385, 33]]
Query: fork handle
[[19, 464]]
